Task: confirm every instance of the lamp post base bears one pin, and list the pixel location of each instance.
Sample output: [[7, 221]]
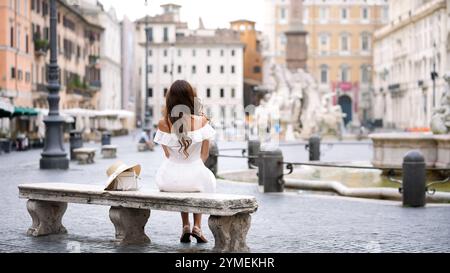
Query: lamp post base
[[54, 163]]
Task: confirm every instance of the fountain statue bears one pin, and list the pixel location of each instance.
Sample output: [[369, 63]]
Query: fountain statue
[[298, 105], [440, 122], [295, 107]]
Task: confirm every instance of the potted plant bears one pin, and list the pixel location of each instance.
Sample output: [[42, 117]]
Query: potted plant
[[41, 46]]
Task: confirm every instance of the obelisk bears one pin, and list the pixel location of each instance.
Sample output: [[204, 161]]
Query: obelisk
[[296, 49]]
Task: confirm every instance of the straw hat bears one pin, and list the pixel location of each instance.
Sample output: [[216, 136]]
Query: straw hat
[[116, 169]]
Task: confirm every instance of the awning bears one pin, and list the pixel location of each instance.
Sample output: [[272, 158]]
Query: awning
[[6, 109], [24, 111], [67, 118]]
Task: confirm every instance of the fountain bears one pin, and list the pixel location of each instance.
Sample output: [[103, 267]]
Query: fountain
[[298, 106], [294, 108], [390, 148]]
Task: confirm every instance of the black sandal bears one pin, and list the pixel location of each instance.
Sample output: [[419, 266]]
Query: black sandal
[[186, 236]]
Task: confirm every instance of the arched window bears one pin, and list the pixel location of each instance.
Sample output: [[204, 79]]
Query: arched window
[[345, 42], [344, 73], [324, 43], [365, 73], [365, 42], [324, 74], [365, 14]]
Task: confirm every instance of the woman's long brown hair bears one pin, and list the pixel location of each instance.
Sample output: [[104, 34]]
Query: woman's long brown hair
[[181, 94]]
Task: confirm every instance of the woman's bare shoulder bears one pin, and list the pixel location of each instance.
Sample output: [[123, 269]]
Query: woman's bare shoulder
[[199, 122], [163, 126]]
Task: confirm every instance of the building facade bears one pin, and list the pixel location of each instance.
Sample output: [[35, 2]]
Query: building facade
[[253, 61], [110, 58], [130, 82], [409, 53], [339, 41], [78, 56], [16, 52], [211, 60]]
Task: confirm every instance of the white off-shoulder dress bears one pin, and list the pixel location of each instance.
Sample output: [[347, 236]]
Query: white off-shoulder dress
[[180, 174]]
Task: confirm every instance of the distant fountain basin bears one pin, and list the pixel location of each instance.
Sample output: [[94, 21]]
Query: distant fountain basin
[[311, 178], [390, 148]]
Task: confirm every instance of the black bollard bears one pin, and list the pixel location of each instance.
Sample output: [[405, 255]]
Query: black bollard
[[414, 179], [314, 148], [106, 138], [76, 141], [254, 147], [211, 162], [5, 145], [270, 172]]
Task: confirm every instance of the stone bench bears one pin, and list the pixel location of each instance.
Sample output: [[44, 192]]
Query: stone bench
[[229, 219], [109, 151], [84, 155], [144, 147]]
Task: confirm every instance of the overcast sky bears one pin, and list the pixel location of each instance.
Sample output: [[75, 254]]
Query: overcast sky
[[215, 13]]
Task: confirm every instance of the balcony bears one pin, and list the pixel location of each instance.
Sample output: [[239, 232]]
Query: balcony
[[94, 60], [95, 85], [76, 87], [41, 47], [41, 87]]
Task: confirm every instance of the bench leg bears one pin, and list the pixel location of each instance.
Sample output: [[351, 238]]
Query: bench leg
[[230, 232], [130, 224], [46, 217], [83, 159], [91, 159]]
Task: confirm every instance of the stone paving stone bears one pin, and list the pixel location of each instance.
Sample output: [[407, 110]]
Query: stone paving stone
[[289, 222]]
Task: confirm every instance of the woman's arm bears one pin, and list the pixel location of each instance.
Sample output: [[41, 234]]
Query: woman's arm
[[166, 151], [205, 144], [162, 126], [205, 150]]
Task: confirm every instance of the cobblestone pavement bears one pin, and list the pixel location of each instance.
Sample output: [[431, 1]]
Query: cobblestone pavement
[[289, 222]]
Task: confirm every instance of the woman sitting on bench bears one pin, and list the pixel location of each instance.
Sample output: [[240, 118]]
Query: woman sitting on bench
[[184, 134]]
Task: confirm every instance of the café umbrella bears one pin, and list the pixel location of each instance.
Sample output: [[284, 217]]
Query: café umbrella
[[6, 109]]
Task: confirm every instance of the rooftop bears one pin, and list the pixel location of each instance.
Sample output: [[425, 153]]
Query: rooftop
[[170, 5], [221, 36], [161, 18], [242, 21]]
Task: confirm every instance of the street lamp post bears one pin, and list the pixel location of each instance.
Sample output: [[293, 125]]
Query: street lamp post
[[53, 156], [369, 94], [434, 75], [147, 45]]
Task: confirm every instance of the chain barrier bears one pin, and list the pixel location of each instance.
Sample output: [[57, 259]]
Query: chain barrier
[[327, 165], [290, 166], [432, 191]]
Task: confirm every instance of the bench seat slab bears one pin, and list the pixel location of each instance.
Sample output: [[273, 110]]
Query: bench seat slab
[[202, 203], [109, 153], [130, 225], [47, 217], [230, 232]]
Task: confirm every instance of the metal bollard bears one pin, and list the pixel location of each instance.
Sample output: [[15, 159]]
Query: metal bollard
[[254, 146], [106, 138], [414, 180], [211, 162], [314, 148], [6, 145], [270, 173], [76, 141]]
